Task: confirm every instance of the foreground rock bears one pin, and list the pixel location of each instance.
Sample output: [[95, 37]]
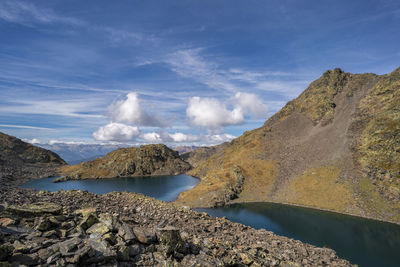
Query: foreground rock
[[127, 162], [127, 229]]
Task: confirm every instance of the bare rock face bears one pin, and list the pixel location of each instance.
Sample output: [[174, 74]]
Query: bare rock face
[[334, 147], [20, 160], [127, 162], [198, 155]]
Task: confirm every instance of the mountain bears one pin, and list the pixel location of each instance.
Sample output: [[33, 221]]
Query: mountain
[[200, 154], [334, 147], [143, 161], [77, 153], [185, 149], [20, 160]]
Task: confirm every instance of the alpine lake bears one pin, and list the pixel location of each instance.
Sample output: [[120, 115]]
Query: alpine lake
[[362, 241]]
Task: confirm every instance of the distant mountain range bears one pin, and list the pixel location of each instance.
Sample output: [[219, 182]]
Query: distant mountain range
[[77, 153], [185, 149]]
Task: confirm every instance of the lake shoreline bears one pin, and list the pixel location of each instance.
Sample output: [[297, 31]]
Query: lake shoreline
[[24, 180], [315, 208], [218, 239]]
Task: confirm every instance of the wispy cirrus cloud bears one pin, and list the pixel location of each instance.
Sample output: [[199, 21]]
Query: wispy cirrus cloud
[[69, 108], [27, 14], [190, 63], [24, 127]]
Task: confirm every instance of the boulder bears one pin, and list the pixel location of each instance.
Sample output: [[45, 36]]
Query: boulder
[[171, 240], [144, 235], [88, 220], [45, 224], [5, 251], [69, 246], [33, 210], [126, 232], [98, 229]]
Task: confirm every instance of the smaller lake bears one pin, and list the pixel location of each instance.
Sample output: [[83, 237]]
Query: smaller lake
[[360, 241], [165, 188]]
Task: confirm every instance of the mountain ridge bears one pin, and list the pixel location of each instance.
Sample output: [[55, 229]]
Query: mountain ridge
[[327, 149], [20, 161]]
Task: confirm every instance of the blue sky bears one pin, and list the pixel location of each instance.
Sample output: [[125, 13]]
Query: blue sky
[[179, 72]]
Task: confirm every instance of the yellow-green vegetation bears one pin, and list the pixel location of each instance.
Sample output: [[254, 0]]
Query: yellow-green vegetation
[[260, 177], [247, 152], [124, 162], [379, 144], [374, 202], [317, 101], [320, 187], [378, 147]]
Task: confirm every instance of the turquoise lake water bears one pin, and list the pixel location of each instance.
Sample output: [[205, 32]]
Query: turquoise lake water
[[165, 188], [364, 242]]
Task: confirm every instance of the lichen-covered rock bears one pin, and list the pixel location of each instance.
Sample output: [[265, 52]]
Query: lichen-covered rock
[[126, 232], [171, 240], [88, 220], [144, 235], [33, 210]]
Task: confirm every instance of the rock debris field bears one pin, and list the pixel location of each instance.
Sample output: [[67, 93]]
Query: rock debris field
[[78, 228]]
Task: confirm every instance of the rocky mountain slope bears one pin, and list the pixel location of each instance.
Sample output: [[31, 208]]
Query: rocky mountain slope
[[201, 154], [335, 147], [20, 160], [124, 162], [185, 149]]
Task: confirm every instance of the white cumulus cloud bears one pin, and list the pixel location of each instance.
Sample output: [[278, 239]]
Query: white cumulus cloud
[[116, 132], [178, 137], [152, 137], [129, 110], [181, 137], [250, 104], [218, 138], [211, 113]]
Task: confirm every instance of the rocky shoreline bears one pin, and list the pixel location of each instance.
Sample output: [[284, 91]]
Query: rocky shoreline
[[128, 229], [25, 173]]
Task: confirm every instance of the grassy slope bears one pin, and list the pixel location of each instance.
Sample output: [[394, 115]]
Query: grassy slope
[[335, 147]]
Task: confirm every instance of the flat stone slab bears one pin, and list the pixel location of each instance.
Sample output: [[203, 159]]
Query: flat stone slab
[[34, 209]]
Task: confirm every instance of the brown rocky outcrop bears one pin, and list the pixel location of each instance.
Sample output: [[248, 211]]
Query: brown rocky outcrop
[[127, 162], [20, 161]]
